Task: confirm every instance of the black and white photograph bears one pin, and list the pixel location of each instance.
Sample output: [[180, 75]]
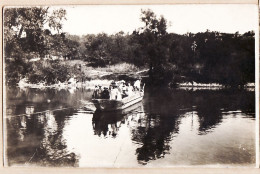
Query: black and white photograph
[[130, 86]]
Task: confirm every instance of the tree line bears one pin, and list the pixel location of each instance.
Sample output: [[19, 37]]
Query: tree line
[[204, 57]]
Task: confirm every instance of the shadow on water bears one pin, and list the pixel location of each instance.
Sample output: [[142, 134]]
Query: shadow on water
[[38, 139]]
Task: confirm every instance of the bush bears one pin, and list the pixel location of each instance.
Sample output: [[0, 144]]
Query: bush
[[50, 72], [15, 70], [163, 74]]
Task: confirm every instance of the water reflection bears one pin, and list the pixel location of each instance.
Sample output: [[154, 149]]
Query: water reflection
[[154, 136], [39, 139], [53, 147], [168, 128], [38, 100], [29, 110], [109, 123]]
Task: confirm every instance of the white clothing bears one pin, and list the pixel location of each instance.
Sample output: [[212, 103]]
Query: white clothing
[[129, 90], [137, 84], [115, 94]]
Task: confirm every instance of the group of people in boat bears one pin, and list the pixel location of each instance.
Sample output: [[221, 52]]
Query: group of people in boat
[[116, 90]]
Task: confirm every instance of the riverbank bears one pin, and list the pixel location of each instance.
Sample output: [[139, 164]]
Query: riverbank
[[53, 72], [211, 86], [84, 76], [78, 73], [90, 84], [73, 84]]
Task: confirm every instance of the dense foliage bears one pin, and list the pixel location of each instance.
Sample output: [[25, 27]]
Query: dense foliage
[[205, 57], [202, 57]]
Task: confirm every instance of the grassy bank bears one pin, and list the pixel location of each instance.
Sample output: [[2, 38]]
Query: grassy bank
[[102, 72]]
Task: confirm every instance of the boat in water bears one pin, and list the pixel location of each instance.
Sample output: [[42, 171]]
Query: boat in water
[[120, 103], [112, 105]]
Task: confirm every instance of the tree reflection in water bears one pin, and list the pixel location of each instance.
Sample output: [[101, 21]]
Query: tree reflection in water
[[154, 137], [210, 108], [164, 112], [46, 147]]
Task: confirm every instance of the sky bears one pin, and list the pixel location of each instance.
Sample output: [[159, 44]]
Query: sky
[[110, 19]]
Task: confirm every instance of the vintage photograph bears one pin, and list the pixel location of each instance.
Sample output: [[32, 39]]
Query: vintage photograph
[[129, 86]]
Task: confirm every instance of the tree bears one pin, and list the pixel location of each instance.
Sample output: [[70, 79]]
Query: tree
[[27, 34], [99, 49], [153, 40], [25, 30], [71, 43]]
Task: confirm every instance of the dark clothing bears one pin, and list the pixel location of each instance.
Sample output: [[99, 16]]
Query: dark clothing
[[95, 94], [105, 94]]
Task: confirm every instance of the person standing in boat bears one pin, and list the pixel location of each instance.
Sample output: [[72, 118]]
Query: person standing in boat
[[105, 93], [112, 90], [100, 90], [95, 93], [118, 95], [129, 89], [113, 83], [120, 88], [112, 93], [115, 94], [137, 85], [124, 93]]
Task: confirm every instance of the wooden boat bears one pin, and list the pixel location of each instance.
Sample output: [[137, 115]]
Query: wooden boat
[[113, 105]]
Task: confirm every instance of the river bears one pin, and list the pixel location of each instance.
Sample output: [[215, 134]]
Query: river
[[170, 127]]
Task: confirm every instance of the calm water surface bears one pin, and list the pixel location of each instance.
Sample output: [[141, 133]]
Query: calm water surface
[[170, 127]]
